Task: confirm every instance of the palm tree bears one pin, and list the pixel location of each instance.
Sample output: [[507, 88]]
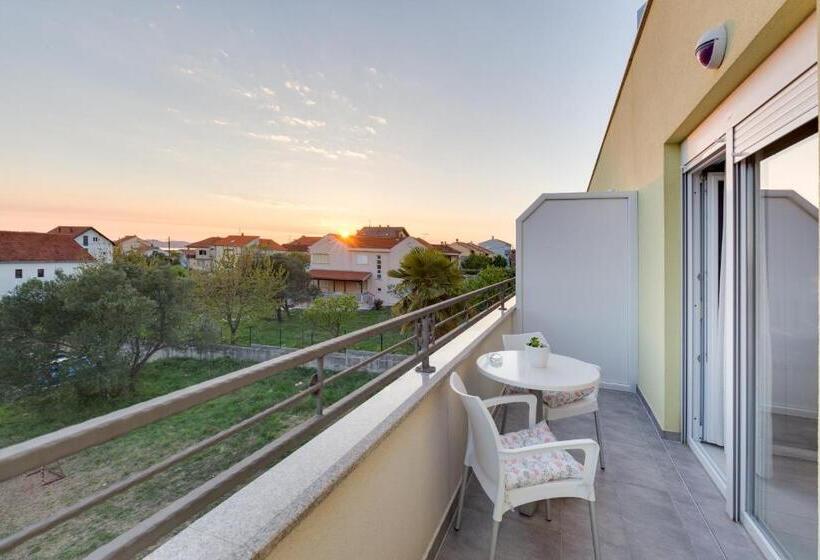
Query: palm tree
[[426, 277]]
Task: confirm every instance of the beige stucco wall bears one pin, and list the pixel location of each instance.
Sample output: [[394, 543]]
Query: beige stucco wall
[[664, 96], [394, 501]]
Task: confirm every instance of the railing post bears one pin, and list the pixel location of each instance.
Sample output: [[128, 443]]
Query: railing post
[[426, 338], [320, 384], [501, 293]]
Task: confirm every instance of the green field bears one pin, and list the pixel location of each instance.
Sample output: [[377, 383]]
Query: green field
[[97, 467], [295, 332]]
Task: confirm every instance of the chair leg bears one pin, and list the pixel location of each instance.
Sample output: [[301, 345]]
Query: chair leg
[[600, 441], [596, 549], [548, 510], [494, 539], [461, 492], [504, 418]]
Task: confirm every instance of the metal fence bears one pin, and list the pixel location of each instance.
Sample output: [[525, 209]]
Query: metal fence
[[431, 328]]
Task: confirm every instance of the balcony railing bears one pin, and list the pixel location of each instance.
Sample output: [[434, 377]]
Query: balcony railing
[[432, 327]]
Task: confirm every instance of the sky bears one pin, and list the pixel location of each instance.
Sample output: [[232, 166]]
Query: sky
[[192, 119]]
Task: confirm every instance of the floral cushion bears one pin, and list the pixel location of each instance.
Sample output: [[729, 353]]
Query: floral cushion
[[554, 399], [538, 468]]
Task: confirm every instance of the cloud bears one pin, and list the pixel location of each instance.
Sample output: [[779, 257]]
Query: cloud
[[314, 150], [351, 154], [372, 71], [306, 123], [309, 102], [186, 71], [297, 87], [271, 107], [267, 91], [224, 53], [370, 129], [280, 138], [377, 119], [219, 122], [245, 93]]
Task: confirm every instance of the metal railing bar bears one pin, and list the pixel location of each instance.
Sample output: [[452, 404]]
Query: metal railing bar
[[464, 311], [120, 486], [358, 365], [25, 456], [150, 530]]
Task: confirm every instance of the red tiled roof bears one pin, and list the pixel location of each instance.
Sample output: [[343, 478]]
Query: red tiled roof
[[446, 249], [301, 244], [392, 232], [28, 246], [227, 241], [270, 245], [364, 242], [74, 231], [351, 275]]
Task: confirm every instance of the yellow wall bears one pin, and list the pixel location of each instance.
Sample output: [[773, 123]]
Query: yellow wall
[[664, 96]]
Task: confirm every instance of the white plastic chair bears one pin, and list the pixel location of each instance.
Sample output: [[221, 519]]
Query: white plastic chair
[[495, 464], [585, 405]]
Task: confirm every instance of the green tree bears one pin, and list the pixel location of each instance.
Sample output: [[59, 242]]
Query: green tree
[[499, 261], [97, 328], [297, 287], [241, 286], [476, 262], [425, 277], [331, 313]]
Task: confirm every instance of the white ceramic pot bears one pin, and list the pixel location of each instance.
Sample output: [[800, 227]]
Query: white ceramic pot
[[538, 357]]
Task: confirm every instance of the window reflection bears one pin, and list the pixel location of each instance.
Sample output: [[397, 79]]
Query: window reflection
[[784, 409]]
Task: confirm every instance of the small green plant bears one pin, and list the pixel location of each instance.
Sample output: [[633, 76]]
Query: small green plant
[[535, 342]]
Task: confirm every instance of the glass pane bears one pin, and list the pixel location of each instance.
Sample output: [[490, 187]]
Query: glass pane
[[784, 416]]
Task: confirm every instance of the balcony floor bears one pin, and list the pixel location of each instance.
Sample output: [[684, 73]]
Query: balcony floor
[[654, 501]]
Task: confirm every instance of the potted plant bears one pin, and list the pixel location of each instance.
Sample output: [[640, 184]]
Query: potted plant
[[538, 352]]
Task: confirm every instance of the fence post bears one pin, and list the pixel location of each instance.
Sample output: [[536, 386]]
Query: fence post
[[280, 337], [381, 342], [250, 336], [426, 338], [320, 383]]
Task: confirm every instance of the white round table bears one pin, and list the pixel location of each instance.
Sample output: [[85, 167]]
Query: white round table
[[561, 374]]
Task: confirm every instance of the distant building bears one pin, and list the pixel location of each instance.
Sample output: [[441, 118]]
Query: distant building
[[467, 248], [132, 243], [448, 251], [385, 232], [358, 264], [498, 246], [25, 255], [203, 254], [301, 244], [90, 239]]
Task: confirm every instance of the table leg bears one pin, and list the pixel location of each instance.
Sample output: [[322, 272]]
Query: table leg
[[529, 510]]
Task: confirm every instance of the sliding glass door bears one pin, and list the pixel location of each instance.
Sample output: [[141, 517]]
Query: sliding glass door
[[779, 185]]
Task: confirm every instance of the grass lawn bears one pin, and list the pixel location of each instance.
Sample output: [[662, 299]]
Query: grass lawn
[[94, 468], [295, 332]]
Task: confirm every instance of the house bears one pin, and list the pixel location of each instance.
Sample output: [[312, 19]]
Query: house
[[90, 239], [202, 255], [132, 243], [447, 250], [467, 248], [498, 247], [25, 255], [386, 232], [301, 244], [358, 264]]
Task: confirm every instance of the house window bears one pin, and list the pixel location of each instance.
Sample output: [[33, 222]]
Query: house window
[[85, 241], [203, 252], [319, 258], [361, 258], [18, 272], [95, 239], [41, 272]]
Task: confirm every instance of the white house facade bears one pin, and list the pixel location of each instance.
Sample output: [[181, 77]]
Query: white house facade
[[27, 255], [498, 247], [358, 265], [90, 239]]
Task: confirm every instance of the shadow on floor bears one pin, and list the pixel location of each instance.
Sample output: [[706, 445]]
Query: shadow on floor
[[654, 502]]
